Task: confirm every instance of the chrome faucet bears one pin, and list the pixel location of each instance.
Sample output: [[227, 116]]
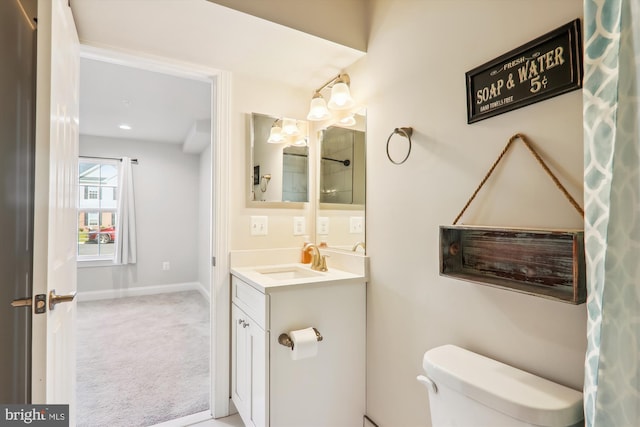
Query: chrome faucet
[[318, 261], [361, 244]]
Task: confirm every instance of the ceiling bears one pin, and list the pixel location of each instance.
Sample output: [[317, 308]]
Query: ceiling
[[157, 107], [166, 108]]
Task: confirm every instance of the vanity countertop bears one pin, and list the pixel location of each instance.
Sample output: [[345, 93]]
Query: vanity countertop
[[266, 278], [269, 270]]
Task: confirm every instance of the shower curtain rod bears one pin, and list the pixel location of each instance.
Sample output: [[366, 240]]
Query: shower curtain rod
[[134, 161]]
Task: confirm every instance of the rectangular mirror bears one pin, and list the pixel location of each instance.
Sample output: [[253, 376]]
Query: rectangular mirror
[[279, 160], [342, 186], [342, 166]]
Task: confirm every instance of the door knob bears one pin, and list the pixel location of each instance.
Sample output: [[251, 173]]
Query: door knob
[[57, 299]]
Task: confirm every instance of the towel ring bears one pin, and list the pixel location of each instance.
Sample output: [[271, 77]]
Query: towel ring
[[406, 132], [264, 182]]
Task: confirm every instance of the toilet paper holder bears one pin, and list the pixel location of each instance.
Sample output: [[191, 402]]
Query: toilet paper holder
[[286, 341]]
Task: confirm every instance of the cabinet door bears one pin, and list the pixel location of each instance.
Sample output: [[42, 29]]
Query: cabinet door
[[248, 368], [257, 342], [240, 369]]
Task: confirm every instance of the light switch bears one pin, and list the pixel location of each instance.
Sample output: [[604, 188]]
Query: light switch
[[356, 224], [323, 225], [259, 225], [299, 228]]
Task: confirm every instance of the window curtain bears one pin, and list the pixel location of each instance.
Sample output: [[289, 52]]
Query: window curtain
[[612, 211], [126, 222]]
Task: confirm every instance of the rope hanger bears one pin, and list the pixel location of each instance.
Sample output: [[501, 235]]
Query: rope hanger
[[542, 164]]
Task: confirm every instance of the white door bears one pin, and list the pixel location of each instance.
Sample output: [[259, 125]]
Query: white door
[[55, 220]]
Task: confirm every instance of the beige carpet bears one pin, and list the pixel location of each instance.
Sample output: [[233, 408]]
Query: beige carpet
[[142, 360]]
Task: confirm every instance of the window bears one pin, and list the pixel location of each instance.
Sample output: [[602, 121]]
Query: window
[[98, 188]]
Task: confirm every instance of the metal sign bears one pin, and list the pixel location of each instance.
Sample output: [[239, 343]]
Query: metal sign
[[543, 68]]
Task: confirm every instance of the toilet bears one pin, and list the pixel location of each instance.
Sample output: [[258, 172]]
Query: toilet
[[470, 390]]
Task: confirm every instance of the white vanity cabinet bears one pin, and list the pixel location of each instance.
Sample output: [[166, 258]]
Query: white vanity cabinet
[[249, 342], [269, 388]]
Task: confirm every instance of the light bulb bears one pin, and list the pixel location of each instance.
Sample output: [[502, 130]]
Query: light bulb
[[300, 142], [289, 127], [275, 135], [340, 97], [318, 110], [348, 121]]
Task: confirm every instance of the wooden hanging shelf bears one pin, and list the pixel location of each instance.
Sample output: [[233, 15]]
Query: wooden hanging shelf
[[546, 263]]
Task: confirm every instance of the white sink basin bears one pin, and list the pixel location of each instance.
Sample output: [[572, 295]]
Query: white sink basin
[[287, 273], [262, 270]]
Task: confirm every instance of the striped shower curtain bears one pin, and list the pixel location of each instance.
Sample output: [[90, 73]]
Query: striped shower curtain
[[612, 211]]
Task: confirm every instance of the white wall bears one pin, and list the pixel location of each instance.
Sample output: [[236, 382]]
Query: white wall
[[204, 220], [414, 75], [166, 182], [261, 96]]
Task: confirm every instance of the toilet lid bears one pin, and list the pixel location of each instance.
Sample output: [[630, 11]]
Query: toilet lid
[[512, 391]]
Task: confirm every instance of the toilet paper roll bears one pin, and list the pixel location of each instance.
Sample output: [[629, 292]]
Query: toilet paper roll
[[305, 343]]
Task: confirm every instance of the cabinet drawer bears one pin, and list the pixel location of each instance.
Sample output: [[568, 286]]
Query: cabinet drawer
[[250, 300]]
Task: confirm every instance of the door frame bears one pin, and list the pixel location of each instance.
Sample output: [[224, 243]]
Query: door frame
[[219, 286]]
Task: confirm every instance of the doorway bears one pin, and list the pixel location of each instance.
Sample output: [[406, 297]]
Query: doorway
[[165, 269], [17, 156]]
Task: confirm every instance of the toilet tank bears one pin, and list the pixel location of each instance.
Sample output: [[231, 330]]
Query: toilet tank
[[474, 390]]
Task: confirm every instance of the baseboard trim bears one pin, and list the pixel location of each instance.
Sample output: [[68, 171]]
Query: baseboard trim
[[203, 291], [187, 420], [141, 290]]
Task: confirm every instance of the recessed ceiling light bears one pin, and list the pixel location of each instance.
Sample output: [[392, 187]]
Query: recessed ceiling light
[[125, 126]]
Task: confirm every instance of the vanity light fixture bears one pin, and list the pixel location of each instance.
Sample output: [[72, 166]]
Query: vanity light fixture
[[318, 110], [290, 127], [348, 121], [340, 95], [340, 100], [287, 130], [345, 118], [300, 140], [275, 134]]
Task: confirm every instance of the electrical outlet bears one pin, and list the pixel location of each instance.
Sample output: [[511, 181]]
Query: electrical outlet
[[298, 226], [166, 266], [356, 224], [259, 225], [323, 225]]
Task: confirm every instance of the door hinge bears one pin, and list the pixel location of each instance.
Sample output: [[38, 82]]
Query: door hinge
[[213, 261]]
